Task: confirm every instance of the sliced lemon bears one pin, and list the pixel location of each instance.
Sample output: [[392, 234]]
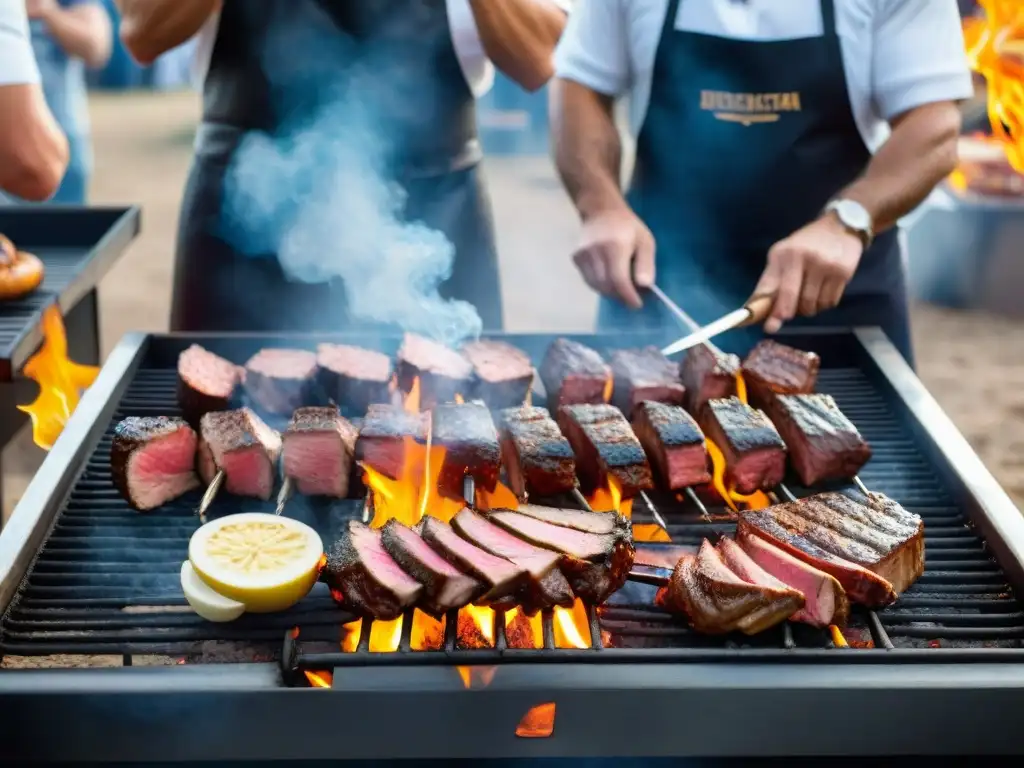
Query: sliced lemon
[[211, 605], [266, 562]]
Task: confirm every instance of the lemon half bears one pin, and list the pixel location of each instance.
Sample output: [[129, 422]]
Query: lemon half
[[211, 605], [267, 563]]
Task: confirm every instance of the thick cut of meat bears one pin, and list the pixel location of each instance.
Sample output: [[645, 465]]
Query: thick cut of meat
[[823, 444], [443, 373], [718, 601], [600, 523], [500, 577], [708, 376], [470, 441], [606, 449], [574, 373], [755, 456], [280, 380], [153, 460], [538, 459], [773, 367], [243, 447], [502, 374], [206, 383], [674, 444], [318, 451], [353, 377], [384, 437], [445, 587], [596, 565], [644, 374], [366, 578]]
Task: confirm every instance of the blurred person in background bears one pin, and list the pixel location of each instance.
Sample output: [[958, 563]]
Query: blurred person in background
[[33, 151]]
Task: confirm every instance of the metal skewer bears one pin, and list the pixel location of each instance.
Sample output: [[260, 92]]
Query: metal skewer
[[287, 487], [210, 495]]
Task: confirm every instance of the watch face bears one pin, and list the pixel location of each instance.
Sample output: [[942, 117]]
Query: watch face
[[854, 215]]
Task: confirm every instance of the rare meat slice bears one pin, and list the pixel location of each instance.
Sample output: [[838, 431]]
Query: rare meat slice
[[538, 459], [673, 443], [606, 449], [501, 578], [718, 601], [385, 437], [574, 373], [365, 578], [502, 374], [153, 459], [644, 374], [823, 444], [445, 587], [708, 375], [596, 565], [318, 451], [442, 372], [280, 380], [206, 383], [755, 456], [241, 446], [600, 523], [773, 367], [353, 377], [467, 434]]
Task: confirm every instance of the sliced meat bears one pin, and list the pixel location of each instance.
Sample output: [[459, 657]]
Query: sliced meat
[[538, 459], [673, 443], [353, 377], [574, 373], [773, 367], [385, 435], [502, 374], [470, 441], [605, 447], [500, 577], [755, 456], [600, 523], [443, 373], [445, 587], [823, 444], [241, 445], [206, 383], [644, 374], [366, 578], [318, 450], [280, 380], [153, 459], [708, 375]]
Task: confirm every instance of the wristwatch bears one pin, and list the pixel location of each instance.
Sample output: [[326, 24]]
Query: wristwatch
[[854, 217]]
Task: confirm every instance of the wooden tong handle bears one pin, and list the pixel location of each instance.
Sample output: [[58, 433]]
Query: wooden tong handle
[[760, 307]]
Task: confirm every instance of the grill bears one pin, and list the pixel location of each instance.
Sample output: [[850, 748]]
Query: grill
[[84, 574]]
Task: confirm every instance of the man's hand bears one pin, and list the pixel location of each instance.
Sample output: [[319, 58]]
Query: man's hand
[[40, 9], [809, 270], [615, 249]]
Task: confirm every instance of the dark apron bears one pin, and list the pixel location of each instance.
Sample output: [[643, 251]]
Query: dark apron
[[276, 61], [744, 143]]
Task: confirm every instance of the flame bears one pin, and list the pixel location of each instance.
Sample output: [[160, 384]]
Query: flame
[[385, 636], [538, 722], [60, 381], [755, 500], [572, 630], [476, 627], [459, 399], [837, 637], [650, 532], [427, 632], [350, 634], [320, 679], [522, 631], [609, 386], [501, 498], [476, 677], [609, 499], [741, 387]]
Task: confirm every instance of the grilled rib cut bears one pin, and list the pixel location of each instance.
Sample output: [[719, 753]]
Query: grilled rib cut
[[384, 435], [280, 380], [605, 447], [755, 456], [673, 443], [241, 445], [706, 376], [443, 373], [573, 373], [153, 459], [644, 374], [206, 383], [538, 459], [353, 377], [470, 439], [501, 578], [600, 523], [502, 374], [318, 448], [773, 367]]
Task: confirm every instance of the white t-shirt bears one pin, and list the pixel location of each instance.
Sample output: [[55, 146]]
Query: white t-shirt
[[897, 54], [17, 62]]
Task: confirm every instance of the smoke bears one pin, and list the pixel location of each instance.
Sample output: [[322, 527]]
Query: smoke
[[319, 191]]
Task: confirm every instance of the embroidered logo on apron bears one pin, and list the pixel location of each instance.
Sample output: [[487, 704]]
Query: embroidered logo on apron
[[749, 108]]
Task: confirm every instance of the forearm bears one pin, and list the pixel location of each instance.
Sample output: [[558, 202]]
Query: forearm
[[520, 36], [33, 151], [152, 27], [83, 32]]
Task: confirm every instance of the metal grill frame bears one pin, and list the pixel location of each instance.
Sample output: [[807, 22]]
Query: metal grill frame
[[772, 702]]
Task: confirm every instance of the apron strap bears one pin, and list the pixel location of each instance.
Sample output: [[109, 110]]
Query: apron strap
[[670, 17], [828, 18]]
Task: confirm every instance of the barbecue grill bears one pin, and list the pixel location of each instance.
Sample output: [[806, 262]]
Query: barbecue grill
[[84, 574]]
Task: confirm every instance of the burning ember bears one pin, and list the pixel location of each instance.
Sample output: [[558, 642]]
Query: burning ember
[[538, 722]]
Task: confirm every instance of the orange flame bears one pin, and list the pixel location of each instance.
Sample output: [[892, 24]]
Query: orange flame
[[837, 637], [500, 498], [609, 387], [755, 500], [609, 499], [538, 722], [524, 631], [321, 679], [60, 381], [476, 677]]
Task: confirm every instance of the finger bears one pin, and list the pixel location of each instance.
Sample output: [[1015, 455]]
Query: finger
[[643, 263], [620, 278], [788, 297], [831, 293], [811, 292], [586, 264]]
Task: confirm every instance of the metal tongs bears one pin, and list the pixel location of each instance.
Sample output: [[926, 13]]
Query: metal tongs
[[755, 311]]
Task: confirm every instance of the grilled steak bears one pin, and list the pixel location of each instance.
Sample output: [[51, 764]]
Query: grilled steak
[[596, 565], [573, 373], [470, 440], [537, 457], [353, 377], [773, 367], [673, 443], [153, 459], [366, 577], [206, 383], [600, 523], [445, 587], [708, 376], [280, 380], [755, 456], [443, 373], [243, 447], [823, 444], [318, 447], [661, 556], [502, 374], [605, 447], [501, 578], [384, 435], [644, 374]]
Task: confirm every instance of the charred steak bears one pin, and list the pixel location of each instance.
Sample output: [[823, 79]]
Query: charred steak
[[600, 523], [574, 373], [385, 435], [502, 374], [206, 383], [606, 449], [773, 367], [353, 377], [673, 443], [318, 447], [153, 459], [708, 376], [470, 441], [243, 447], [501, 577], [280, 380], [538, 459], [644, 374], [755, 456], [443, 373]]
